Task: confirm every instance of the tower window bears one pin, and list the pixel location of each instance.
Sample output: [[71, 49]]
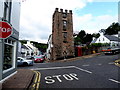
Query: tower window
[[64, 24], [65, 37], [65, 34], [64, 15]]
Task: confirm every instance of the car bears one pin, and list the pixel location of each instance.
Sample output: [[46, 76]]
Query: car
[[24, 62], [40, 59]]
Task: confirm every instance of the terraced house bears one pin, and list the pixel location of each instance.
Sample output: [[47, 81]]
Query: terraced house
[[10, 13]]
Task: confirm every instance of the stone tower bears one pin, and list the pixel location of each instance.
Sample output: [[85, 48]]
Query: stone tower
[[62, 34]]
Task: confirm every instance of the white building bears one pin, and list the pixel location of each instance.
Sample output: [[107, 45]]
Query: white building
[[24, 51], [48, 51], [35, 50], [28, 50], [9, 12], [110, 39]]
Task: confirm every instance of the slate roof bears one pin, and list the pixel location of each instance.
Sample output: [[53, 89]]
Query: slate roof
[[23, 46], [111, 38], [94, 40]]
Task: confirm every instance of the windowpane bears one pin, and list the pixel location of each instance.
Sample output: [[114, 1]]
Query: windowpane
[[64, 25], [64, 15], [8, 57]]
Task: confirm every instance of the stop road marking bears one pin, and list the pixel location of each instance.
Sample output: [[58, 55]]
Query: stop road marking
[[68, 77]]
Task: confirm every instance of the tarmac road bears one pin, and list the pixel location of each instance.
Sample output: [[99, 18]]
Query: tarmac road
[[96, 72]]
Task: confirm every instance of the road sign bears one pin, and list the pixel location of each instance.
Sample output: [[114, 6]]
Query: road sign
[[5, 30]]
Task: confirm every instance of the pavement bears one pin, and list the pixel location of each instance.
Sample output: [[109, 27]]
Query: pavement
[[76, 58], [21, 80], [27, 79]]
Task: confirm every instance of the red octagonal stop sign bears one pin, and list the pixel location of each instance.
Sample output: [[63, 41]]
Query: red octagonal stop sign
[[5, 30]]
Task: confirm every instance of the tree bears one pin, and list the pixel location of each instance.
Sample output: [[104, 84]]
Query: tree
[[112, 29], [88, 38], [83, 38], [96, 35], [81, 35], [77, 40]]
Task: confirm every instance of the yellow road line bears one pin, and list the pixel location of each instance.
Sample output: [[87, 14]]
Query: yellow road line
[[116, 62], [38, 84], [36, 76], [37, 80], [39, 76]]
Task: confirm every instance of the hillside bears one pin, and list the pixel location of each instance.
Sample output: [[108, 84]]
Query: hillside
[[41, 46]]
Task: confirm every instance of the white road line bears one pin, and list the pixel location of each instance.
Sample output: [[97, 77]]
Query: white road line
[[114, 80], [86, 65], [111, 63], [63, 68], [83, 70], [53, 68], [99, 64]]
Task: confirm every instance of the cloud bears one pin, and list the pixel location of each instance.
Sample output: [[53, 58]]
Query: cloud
[[106, 0], [92, 24], [36, 18]]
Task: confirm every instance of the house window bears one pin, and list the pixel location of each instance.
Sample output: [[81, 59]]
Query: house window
[[9, 54], [7, 10], [103, 39]]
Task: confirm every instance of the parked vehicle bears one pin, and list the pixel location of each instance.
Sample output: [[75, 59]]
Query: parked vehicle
[[111, 51], [24, 62], [40, 59]]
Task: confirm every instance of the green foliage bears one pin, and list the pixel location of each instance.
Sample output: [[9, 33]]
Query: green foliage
[[87, 38], [100, 44], [77, 40], [83, 38], [81, 34], [96, 35], [96, 44], [112, 29], [41, 46], [23, 41]]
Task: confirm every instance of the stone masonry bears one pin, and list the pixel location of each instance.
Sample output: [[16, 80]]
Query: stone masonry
[[62, 32]]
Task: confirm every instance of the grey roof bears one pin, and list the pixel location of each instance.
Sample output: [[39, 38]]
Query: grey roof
[[111, 38], [94, 40], [23, 46]]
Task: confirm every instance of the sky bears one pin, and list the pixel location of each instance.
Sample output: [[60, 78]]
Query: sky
[[88, 15]]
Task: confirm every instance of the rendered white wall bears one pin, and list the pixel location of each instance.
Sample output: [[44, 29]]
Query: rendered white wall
[[1, 8], [15, 15]]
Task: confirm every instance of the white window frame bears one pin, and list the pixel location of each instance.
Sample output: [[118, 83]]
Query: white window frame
[[14, 44]]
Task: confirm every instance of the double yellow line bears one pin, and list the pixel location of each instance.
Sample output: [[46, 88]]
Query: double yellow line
[[117, 62], [36, 82]]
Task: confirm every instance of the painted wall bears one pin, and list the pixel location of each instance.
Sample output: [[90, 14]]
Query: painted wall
[[1, 8], [15, 15], [102, 39]]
